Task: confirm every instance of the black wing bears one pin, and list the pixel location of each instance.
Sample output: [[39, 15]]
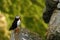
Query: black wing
[[14, 25]]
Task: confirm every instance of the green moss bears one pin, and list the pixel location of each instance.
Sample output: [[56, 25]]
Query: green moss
[[30, 11]]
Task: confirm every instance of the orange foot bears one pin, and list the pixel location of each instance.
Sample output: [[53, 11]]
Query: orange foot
[[17, 30]]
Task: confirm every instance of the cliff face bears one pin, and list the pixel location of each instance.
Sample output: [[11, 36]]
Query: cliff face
[[54, 26]]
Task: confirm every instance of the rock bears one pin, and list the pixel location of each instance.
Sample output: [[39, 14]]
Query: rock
[[54, 26], [25, 34]]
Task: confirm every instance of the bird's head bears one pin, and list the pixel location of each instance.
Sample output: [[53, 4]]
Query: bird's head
[[17, 18]]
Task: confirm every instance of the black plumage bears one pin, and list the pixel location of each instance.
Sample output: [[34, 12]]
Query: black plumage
[[14, 24]]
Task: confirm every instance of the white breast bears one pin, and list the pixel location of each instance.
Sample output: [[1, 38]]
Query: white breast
[[18, 22]]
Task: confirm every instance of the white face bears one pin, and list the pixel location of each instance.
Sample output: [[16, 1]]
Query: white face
[[17, 17], [18, 22]]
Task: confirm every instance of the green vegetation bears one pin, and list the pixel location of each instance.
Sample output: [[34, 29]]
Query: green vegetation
[[30, 11]]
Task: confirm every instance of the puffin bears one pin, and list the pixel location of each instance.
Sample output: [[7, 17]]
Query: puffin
[[15, 23]]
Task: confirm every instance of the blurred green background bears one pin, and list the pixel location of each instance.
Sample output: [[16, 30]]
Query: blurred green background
[[30, 11]]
